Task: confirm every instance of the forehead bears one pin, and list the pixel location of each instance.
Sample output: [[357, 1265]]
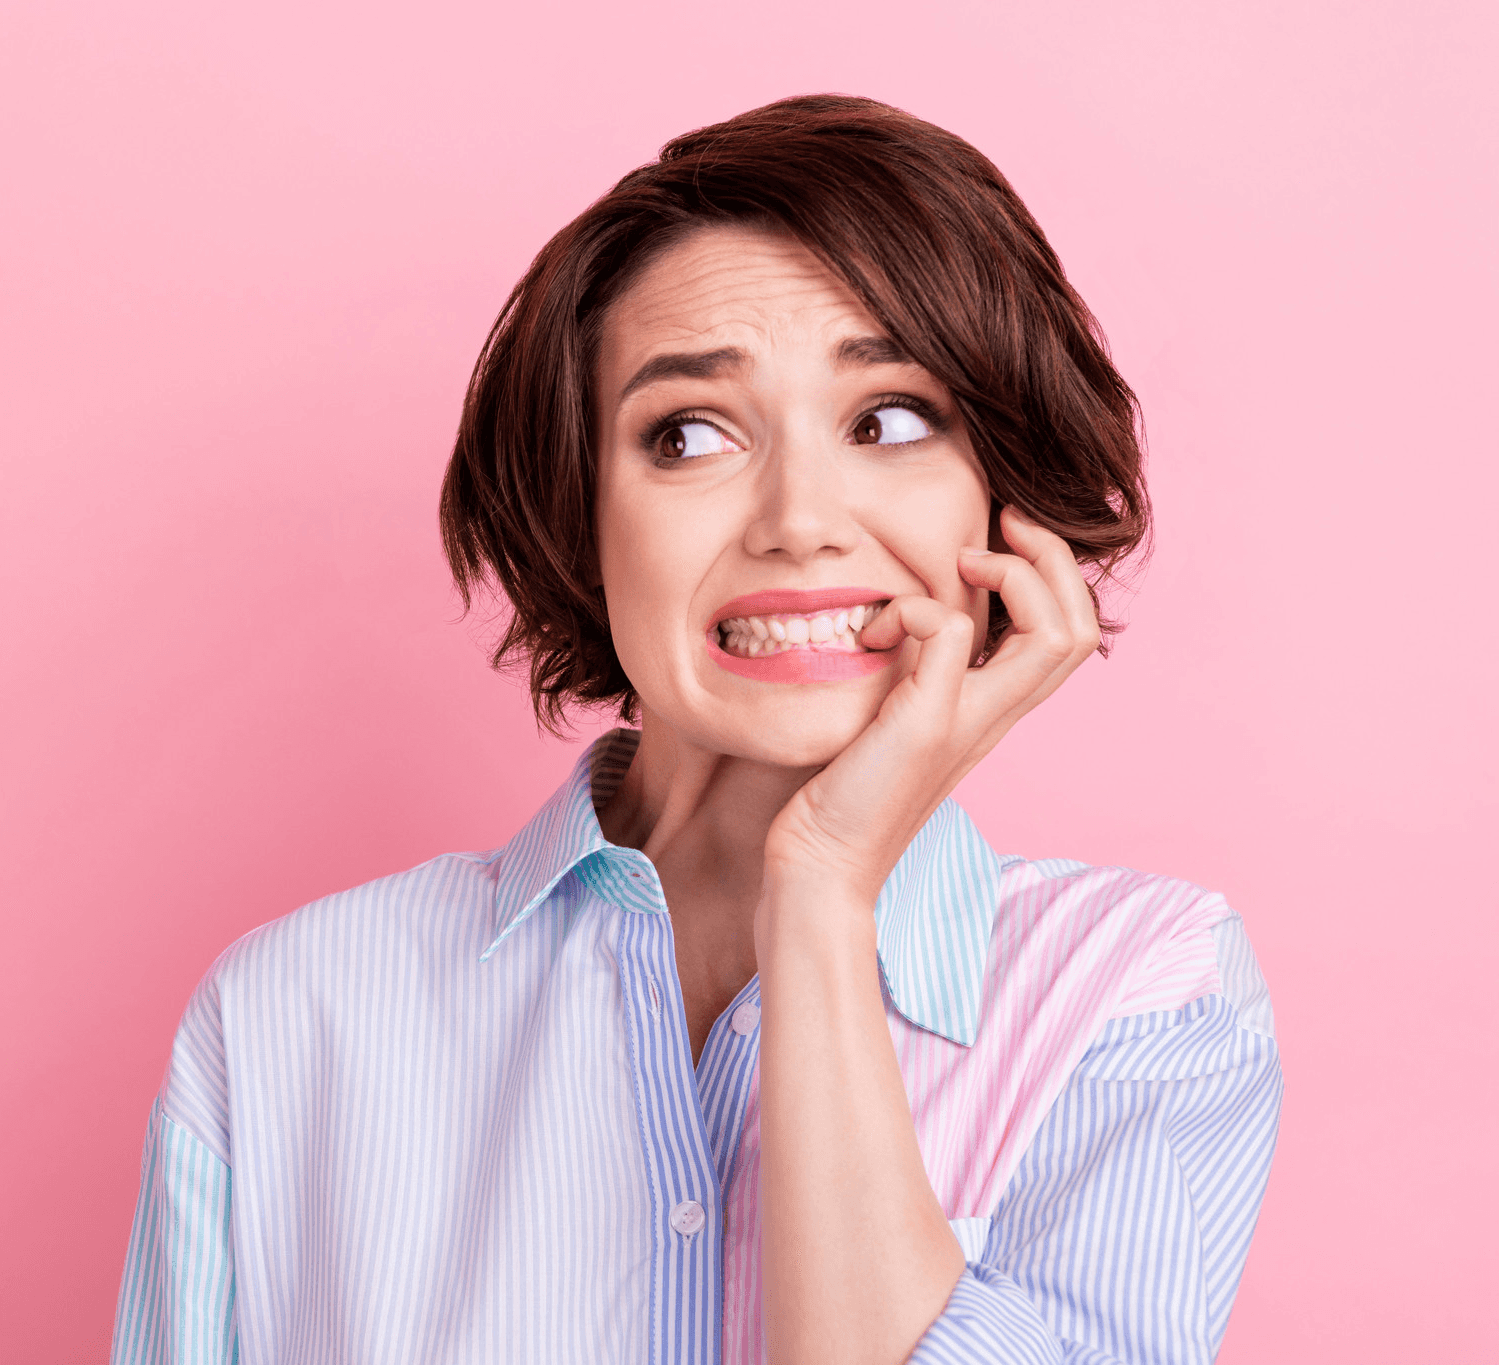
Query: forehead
[[731, 286]]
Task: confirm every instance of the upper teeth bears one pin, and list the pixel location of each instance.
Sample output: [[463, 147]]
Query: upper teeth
[[771, 634]]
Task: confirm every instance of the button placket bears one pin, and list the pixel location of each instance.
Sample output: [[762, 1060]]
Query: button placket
[[677, 1153]]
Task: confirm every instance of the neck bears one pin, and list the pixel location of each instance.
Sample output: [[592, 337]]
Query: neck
[[677, 794], [701, 817]]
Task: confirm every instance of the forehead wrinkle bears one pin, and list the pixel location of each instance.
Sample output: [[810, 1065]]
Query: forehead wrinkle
[[727, 271], [724, 289], [731, 297]]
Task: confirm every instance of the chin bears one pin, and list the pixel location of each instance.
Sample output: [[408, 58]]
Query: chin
[[782, 725], [799, 727]]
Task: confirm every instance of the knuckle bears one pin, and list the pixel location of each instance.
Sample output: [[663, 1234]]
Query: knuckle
[[1054, 648], [959, 625]]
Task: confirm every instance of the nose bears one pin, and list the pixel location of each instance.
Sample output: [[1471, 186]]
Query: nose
[[802, 509]]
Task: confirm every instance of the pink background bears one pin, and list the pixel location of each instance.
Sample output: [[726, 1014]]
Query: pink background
[[250, 254]]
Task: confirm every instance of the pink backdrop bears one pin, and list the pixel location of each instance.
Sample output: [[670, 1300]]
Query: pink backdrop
[[250, 253]]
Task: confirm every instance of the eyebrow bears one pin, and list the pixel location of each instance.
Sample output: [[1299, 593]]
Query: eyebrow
[[861, 351], [869, 351], [685, 365]]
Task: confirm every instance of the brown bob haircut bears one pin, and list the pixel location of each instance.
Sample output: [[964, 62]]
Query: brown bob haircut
[[925, 232]]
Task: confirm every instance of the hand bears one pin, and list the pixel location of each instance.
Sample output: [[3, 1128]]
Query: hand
[[852, 821]]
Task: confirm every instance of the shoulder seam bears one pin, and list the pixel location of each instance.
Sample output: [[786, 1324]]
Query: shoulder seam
[[169, 1117]]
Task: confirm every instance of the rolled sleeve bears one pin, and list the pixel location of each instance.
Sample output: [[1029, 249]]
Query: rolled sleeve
[[1122, 1236], [988, 1317], [176, 1304]]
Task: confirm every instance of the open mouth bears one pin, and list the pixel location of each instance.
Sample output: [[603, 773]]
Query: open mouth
[[800, 635], [832, 631]]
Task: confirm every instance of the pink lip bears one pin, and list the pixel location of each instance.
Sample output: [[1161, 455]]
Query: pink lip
[[792, 602], [804, 665]]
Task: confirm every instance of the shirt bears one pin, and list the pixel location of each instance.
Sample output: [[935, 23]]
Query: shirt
[[452, 1116]]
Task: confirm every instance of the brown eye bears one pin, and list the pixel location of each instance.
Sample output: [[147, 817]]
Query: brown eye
[[890, 426], [686, 440]]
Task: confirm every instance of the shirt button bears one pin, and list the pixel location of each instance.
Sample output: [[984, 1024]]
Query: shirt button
[[745, 1018], [688, 1217]]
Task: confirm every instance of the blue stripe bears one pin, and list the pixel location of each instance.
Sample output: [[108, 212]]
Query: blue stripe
[[1124, 1231], [177, 1294], [459, 1106]]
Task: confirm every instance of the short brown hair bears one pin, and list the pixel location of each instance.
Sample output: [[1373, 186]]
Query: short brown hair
[[929, 237]]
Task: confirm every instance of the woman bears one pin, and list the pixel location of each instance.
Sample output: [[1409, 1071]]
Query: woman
[[795, 446]]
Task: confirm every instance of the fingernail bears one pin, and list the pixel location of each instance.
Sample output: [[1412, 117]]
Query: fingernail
[[1023, 516], [974, 550]]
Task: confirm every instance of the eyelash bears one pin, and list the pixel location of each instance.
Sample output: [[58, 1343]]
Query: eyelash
[[650, 438]]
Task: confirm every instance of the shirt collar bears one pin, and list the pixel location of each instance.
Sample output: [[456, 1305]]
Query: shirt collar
[[933, 918]]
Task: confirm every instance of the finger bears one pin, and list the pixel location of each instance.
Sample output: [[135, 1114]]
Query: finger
[[945, 637], [1040, 642], [1054, 560]]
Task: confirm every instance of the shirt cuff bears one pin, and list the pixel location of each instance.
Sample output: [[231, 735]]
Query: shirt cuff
[[988, 1320]]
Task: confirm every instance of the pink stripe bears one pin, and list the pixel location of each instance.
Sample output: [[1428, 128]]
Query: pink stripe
[[1068, 954], [742, 1339]]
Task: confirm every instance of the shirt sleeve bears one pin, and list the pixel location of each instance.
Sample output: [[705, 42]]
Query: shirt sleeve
[[1122, 1235], [176, 1303]]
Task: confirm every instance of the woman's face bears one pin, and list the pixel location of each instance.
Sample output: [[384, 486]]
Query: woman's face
[[770, 467]]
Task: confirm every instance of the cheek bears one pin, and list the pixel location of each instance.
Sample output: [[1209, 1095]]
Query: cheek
[[652, 561], [928, 520], [937, 517], [634, 561]]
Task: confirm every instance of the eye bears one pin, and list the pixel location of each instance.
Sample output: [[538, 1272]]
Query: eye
[[688, 440], [890, 427]]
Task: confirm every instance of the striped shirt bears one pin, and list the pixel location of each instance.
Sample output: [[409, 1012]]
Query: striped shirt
[[452, 1116]]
